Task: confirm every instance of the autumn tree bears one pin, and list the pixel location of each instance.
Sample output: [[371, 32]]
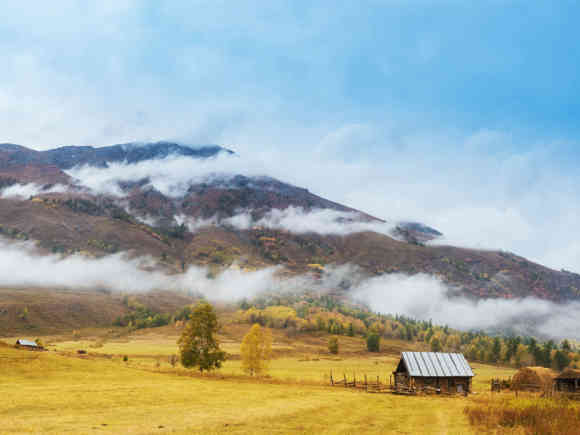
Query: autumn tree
[[24, 314], [198, 345], [333, 345], [256, 350], [435, 344]]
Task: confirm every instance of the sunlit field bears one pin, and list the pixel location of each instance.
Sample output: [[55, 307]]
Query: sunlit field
[[61, 391]]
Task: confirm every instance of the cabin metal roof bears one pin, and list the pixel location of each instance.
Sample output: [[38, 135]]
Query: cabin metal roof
[[436, 365], [27, 343]]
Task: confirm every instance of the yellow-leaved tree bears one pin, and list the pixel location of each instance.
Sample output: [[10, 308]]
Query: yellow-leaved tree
[[256, 350]]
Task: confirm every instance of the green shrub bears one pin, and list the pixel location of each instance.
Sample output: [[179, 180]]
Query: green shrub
[[373, 342], [333, 345]]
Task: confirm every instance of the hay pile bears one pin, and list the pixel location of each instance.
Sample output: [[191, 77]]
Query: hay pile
[[533, 379]]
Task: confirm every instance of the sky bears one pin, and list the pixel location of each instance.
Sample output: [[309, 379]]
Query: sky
[[462, 115]]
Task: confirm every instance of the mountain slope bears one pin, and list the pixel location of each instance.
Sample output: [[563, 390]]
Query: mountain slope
[[144, 221]]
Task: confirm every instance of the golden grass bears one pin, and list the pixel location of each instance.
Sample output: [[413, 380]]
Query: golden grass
[[529, 415], [54, 392]]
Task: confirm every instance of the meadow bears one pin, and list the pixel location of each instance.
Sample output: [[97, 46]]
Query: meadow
[[61, 391]]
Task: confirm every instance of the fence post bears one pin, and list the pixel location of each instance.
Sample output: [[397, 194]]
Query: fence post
[[345, 384], [331, 379], [366, 385]]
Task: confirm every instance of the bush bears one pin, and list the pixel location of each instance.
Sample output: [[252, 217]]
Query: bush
[[373, 342], [333, 345]]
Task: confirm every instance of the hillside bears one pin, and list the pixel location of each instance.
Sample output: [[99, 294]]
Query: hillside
[[37, 311], [144, 221]]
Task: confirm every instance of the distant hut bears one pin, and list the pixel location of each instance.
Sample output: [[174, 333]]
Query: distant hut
[[27, 344], [433, 371], [568, 381], [533, 379]]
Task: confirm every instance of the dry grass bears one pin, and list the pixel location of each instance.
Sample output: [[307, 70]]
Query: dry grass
[[61, 392], [46, 392], [534, 415]]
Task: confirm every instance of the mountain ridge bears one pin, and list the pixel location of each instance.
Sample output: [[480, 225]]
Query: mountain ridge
[[144, 222]]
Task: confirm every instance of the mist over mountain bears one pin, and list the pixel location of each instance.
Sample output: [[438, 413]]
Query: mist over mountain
[[189, 209]]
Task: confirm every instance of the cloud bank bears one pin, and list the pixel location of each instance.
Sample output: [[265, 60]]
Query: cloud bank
[[418, 296], [172, 176], [295, 220], [20, 266], [25, 191], [424, 297]]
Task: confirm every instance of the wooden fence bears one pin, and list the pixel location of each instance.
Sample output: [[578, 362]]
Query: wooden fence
[[375, 385], [369, 385]]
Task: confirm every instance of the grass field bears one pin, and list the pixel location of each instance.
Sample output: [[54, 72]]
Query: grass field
[[59, 391]]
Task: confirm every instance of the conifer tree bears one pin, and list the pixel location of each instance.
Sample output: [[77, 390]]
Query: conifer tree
[[198, 346], [373, 342], [256, 350], [350, 330]]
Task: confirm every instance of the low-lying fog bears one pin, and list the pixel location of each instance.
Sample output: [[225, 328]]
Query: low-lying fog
[[418, 296]]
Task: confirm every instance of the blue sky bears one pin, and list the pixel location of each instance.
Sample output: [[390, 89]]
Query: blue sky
[[461, 114]]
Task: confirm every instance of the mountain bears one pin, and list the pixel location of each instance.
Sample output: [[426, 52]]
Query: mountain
[[67, 157], [63, 214]]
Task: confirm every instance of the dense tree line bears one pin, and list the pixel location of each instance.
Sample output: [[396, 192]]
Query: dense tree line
[[302, 314]]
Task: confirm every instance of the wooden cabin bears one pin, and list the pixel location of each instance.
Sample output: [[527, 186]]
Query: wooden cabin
[[568, 381], [433, 372], [27, 344]]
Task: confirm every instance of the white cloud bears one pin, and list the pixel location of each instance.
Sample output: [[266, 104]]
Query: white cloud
[[171, 176], [25, 191], [320, 221], [424, 297], [21, 266], [194, 225], [295, 220]]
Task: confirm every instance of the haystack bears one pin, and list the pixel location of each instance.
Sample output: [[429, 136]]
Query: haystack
[[533, 379]]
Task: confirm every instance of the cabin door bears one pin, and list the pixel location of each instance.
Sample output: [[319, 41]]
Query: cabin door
[[451, 386]]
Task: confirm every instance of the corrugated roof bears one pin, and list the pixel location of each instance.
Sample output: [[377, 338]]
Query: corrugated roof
[[26, 343], [436, 365]]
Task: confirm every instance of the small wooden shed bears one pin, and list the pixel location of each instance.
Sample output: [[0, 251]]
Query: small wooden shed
[[27, 344], [568, 381], [433, 372]]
